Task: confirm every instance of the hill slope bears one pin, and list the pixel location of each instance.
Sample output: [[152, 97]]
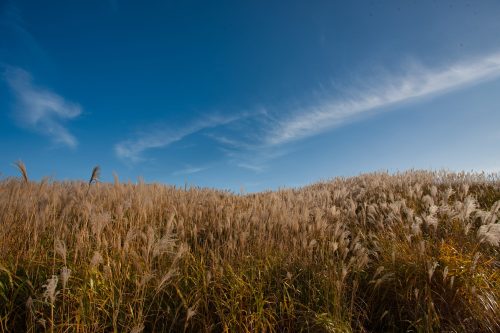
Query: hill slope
[[414, 251]]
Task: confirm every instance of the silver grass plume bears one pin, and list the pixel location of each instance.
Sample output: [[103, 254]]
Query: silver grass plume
[[96, 173], [22, 169]]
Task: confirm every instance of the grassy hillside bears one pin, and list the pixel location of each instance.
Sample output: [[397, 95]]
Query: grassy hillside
[[417, 251]]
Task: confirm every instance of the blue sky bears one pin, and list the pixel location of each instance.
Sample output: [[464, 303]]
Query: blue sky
[[254, 95]]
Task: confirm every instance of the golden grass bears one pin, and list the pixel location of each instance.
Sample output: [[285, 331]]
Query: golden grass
[[413, 251]]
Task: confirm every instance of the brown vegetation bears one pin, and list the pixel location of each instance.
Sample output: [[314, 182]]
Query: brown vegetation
[[416, 251]]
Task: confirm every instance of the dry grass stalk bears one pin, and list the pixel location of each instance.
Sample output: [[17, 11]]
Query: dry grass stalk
[[22, 169], [96, 173]]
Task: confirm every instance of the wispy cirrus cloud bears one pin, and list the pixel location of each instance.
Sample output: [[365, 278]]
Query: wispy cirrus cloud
[[418, 83], [163, 136], [40, 109], [188, 170], [251, 141], [254, 158]]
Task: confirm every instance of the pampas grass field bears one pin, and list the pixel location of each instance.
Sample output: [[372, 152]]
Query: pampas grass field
[[410, 252]]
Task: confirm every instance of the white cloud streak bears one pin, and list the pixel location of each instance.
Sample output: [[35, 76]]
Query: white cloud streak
[[251, 140], [420, 83], [132, 149], [252, 167], [41, 110], [189, 171]]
